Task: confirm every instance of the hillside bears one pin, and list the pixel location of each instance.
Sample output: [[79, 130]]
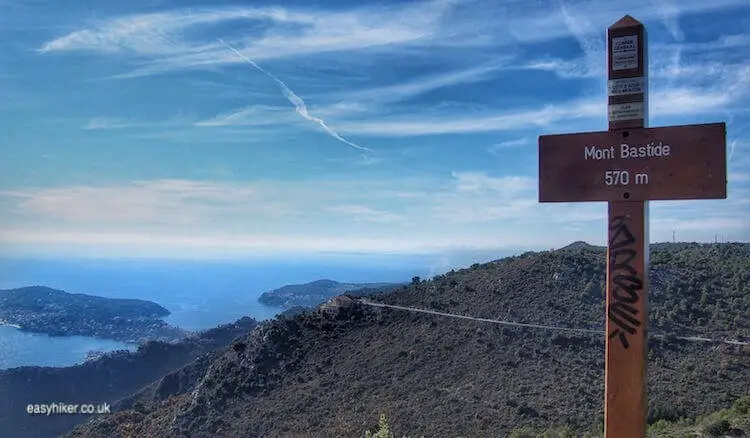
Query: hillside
[[58, 313], [730, 422], [114, 376], [334, 370], [316, 292]]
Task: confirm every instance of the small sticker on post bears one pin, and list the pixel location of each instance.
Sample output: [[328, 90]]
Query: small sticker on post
[[619, 87], [625, 52], [626, 111]]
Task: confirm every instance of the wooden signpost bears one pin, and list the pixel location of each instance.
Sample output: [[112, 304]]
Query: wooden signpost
[[627, 166]]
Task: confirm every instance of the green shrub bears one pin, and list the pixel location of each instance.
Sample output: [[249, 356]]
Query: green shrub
[[559, 432], [523, 432], [742, 406], [718, 428], [661, 425], [383, 429]]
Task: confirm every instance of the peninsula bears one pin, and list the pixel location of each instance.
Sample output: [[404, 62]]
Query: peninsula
[[55, 312], [316, 292]]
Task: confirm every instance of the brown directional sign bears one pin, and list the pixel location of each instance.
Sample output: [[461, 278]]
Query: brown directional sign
[[639, 164]]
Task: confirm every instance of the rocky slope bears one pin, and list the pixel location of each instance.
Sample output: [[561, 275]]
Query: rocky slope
[[332, 371]]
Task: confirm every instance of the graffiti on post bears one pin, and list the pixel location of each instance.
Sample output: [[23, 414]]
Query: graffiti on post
[[626, 285]]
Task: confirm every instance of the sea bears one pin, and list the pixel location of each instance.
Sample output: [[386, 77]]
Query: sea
[[199, 294]]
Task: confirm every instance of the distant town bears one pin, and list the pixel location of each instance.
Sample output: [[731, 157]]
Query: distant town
[[54, 312]]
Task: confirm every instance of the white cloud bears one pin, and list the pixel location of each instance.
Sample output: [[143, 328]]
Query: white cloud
[[669, 12], [488, 122], [167, 41], [681, 101], [106, 123], [149, 202], [469, 209], [590, 39], [497, 148], [163, 37], [222, 244], [415, 87], [541, 22], [368, 214], [109, 123], [172, 40], [449, 43], [663, 102], [158, 33], [299, 104], [189, 205], [256, 115], [723, 42], [508, 186], [706, 226], [578, 68]]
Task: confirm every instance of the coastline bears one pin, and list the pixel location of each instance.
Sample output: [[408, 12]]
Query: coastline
[[7, 324]]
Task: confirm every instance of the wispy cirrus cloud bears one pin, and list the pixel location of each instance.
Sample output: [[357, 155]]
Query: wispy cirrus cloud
[[415, 87], [299, 104], [158, 34], [171, 41], [487, 122], [497, 148], [542, 21], [121, 123], [256, 115], [723, 42], [665, 102], [168, 41], [590, 39], [109, 123], [161, 39], [726, 93], [577, 68], [358, 102]]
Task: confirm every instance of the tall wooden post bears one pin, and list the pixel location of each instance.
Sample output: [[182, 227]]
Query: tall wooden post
[[627, 166], [625, 406]]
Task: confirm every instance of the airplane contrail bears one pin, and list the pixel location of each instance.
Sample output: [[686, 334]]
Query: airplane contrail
[[297, 101]]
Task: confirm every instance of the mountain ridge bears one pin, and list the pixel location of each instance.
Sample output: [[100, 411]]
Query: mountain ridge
[[332, 370]]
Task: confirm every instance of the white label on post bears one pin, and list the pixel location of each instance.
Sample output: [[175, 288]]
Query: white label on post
[[625, 52], [626, 111], [619, 87]]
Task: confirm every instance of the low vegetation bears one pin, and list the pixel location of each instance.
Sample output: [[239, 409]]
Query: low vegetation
[[732, 422]]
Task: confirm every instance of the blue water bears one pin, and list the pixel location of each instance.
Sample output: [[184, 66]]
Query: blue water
[[199, 295], [18, 348]]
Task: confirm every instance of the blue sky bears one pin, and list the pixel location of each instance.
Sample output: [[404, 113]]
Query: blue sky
[[135, 128]]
